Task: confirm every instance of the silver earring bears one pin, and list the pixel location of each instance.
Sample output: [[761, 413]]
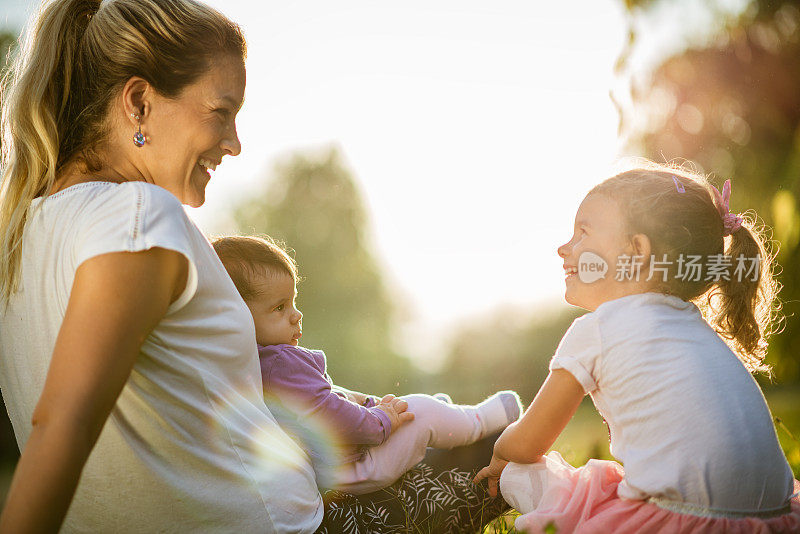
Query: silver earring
[[138, 138]]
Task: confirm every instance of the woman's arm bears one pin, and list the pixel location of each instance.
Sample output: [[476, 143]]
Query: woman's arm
[[115, 302], [529, 438]]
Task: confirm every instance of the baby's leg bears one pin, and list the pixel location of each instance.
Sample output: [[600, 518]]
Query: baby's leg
[[436, 424]]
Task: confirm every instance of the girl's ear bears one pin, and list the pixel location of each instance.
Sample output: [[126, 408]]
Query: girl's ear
[[641, 247]]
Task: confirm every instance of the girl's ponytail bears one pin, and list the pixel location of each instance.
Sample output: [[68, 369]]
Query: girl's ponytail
[[35, 116], [744, 308]]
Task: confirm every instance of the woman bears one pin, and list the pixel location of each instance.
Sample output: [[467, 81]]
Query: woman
[[129, 362]]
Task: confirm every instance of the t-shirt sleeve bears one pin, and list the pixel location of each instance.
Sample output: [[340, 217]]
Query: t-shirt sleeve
[[579, 352], [133, 217]]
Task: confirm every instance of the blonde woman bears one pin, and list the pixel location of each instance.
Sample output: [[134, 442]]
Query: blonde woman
[[129, 363]]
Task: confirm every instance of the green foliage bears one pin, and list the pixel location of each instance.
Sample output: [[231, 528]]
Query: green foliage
[[313, 205], [503, 353], [733, 107], [8, 44]]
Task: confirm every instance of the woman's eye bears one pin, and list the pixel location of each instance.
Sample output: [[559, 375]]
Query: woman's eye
[[279, 308]]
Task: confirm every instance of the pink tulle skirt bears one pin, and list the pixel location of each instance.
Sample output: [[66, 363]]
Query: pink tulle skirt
[[585, 500]]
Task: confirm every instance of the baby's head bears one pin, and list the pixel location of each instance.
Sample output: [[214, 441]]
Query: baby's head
[[266, 278], [662, 229]]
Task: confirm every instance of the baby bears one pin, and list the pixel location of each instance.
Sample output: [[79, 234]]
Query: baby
[[378, 439]]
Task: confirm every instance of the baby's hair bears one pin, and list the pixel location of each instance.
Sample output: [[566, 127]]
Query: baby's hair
[[247, 257], [676, 209]]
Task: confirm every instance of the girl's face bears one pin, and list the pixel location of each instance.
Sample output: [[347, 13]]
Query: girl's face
[[188, 136], [591, 256]]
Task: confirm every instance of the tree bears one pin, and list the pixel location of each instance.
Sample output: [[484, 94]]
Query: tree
[[8, 45], [507, 350], [312, 204], [733, 107]]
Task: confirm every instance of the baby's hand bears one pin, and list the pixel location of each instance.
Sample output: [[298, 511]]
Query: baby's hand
[[395, 409]]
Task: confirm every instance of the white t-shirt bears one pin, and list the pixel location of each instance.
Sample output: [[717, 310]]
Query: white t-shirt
[[190, 445], [687, 420]]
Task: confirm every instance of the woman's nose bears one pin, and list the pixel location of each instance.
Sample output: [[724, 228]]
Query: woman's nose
[[231, 144], [563, 250]]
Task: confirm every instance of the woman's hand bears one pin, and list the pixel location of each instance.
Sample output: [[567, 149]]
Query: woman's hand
[[395, 409], [115, 302], [352, 396], [492, 473]]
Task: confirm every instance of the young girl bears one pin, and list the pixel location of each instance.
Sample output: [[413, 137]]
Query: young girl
[[357, 443], [686, 419]]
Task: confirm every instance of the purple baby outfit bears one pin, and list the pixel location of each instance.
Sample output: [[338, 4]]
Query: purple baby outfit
[[299, 375]]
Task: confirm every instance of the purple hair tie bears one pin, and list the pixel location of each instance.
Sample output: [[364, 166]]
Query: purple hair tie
[[678, 184], [731, 222]]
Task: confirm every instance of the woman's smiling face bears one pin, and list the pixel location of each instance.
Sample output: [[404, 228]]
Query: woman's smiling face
[[187, 136]]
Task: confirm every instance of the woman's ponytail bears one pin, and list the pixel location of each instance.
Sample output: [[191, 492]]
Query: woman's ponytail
[[35, 96]]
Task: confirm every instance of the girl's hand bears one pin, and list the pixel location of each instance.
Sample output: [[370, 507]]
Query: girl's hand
[[395, 409], [492, 473]]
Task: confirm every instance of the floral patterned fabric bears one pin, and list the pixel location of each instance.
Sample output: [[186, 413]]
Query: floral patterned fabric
[[424, 500]]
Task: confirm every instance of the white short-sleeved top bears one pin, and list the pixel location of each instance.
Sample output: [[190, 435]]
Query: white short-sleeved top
[[190, 445], [687, 420]]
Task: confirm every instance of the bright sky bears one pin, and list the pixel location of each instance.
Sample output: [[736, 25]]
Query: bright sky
[[474, 129]]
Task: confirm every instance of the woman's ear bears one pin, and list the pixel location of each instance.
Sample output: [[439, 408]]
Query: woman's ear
[[135, 98]]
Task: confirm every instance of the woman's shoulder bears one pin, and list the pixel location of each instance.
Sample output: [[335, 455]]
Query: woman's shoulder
[[111, 200], [94, 218]]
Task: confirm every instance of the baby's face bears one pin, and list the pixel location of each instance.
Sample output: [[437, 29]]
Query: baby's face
[[277, 319], [599, 230]]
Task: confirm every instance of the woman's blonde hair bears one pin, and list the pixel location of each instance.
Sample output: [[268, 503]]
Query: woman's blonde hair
[[677, 210], [74, 59]]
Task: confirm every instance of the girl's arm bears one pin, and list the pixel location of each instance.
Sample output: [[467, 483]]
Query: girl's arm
[[529, 438], [115, 301]]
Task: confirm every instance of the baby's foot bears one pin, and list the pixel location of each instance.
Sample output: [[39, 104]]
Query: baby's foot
[[498, 411]]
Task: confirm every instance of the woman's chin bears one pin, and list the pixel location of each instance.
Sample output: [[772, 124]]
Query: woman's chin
[[194, 197], [195, 203]]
